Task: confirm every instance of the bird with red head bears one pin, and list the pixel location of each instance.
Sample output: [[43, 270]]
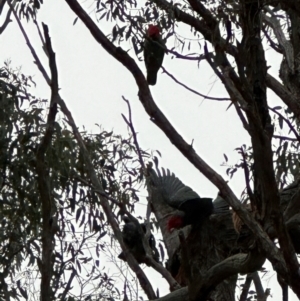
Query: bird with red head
[[191, 209], [154, 51], [153, 31]]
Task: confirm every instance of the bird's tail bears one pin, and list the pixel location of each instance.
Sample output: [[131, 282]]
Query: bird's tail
[[220, 205], [151, 78]]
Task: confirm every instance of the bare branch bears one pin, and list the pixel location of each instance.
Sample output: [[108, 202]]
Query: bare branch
[[43, 179], [246, 287], [33, 52], [130, 124], [6, 21], [191, 90], [284, 138], [186, 56], [40, 34]]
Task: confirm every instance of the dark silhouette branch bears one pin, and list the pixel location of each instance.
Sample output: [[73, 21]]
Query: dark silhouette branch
[[130, 125], [246, 287], [48, 209], [247, 180], [6, 21], [262, 295], [33, 52], [186, 56], [191, 90], [285, 138]]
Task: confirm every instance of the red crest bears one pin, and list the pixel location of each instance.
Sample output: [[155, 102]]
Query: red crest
[[153, 31], [175, 222]]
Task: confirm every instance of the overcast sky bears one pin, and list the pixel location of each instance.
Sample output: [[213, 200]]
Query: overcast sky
[[92, 84]]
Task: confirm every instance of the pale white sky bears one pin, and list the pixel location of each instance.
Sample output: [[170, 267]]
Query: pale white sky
[[92, 84]]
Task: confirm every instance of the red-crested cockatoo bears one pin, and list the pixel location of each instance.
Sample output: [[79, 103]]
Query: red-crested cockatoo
[[154, 51]]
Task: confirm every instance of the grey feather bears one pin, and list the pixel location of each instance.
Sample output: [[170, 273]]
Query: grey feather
[[174, 191], [220, 205]]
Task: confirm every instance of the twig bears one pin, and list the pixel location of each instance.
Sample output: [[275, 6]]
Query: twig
[[191, 90], [130, 124], [6, 21], [284, 288], [40, 35], [285, 138], [236, 98], [68, 286], [186, 57], [272, 44], [247, 180]]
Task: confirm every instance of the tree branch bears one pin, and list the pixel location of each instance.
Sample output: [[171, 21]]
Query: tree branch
[[239, 263], [246, 287], [43, 180], [193, 91], [6, 21], [33, 52]]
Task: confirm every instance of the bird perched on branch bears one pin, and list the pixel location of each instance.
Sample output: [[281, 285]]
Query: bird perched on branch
[[192, 209], [154, 51], [133, 240]]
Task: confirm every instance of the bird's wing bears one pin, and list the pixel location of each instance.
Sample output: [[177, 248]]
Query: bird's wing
[[174, 191], [220, 205]]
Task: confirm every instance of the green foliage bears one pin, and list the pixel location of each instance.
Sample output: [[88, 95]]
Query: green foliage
[[81, 226]]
